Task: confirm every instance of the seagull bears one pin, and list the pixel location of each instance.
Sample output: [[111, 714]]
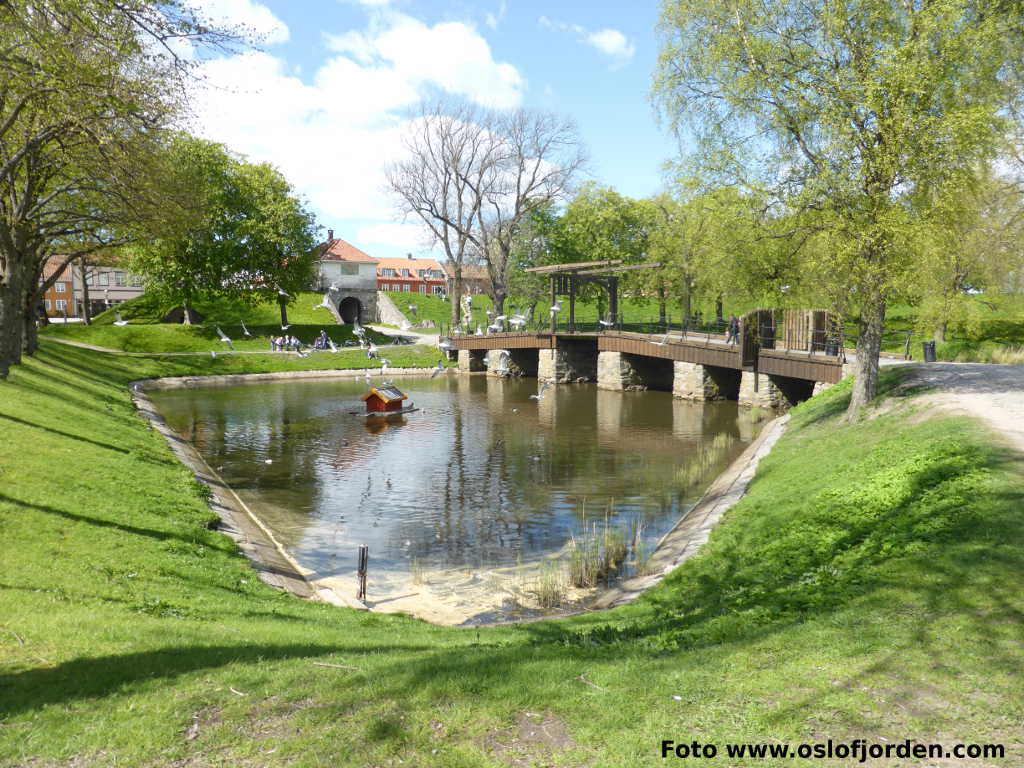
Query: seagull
[[224, 337], [285, 327], [384, 363], [119, 321], [439, 369], [334, 347], [282, 292], [245, 332], [500, 319], [517, 321], [495, 328], [479, 330], [334, 287], [540, 393], [445, 345], [606, 323], [268, 461], [325, 304], [556, 308], [662, 342], [490, 314], [368, 378]]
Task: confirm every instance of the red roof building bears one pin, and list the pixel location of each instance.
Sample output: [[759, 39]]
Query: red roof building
[[410, 275]]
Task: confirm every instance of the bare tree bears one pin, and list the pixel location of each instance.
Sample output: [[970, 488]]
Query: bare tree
[[450, 158], [538, 156], [476, 176]]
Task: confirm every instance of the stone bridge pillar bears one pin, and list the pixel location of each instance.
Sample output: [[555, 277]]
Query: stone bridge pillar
[[766, 395], [693, 381], [623, 371], [568, 362], [471, 360]]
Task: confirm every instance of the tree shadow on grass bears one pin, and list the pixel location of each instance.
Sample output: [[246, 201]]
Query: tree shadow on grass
[[97, 443], [79, 518], [97, 676]]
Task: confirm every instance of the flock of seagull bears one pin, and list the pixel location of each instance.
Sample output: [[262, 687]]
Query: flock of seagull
[[516, 321]]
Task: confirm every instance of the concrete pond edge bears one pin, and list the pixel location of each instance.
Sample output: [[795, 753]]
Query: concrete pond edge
[[693, 528]]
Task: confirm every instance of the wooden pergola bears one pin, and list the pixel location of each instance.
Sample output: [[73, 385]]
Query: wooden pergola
[[567, 279]]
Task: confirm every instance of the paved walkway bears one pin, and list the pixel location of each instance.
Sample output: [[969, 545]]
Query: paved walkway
[[992, 393]]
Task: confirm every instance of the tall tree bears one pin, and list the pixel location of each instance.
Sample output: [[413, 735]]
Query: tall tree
[[845, 107], [537, 157], [251, 239], [449, 162], [86, 87]]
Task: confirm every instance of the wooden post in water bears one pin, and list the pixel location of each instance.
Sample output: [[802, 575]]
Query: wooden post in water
[[364, 557]]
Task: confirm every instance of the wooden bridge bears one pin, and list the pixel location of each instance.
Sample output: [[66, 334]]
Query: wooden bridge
[[779, 359]]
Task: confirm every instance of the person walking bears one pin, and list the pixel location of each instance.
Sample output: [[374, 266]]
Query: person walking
[[733, 336]]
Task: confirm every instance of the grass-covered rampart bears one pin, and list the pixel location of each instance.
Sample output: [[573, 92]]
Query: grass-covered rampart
[[867, 587]]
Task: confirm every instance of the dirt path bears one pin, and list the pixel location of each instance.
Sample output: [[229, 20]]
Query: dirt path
[[992, 393]]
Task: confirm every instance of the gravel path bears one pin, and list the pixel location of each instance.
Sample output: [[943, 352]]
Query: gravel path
[[992, 393]]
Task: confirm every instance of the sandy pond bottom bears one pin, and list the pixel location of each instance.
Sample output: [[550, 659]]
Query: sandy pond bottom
[[471, 505]]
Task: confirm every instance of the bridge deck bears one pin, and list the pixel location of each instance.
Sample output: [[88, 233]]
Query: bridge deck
[[703, 349]]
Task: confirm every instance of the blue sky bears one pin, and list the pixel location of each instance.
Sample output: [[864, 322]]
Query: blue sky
[[326, 96]]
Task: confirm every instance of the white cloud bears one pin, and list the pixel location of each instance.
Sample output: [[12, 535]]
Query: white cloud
[[407, 236], [450, 55], [610, 42], [254, 17], [333, 133], [613, 43], [494, 19]]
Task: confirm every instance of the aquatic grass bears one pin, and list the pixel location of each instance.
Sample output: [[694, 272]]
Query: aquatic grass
[[549, 587]]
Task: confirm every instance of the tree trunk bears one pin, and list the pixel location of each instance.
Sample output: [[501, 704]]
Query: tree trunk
[[940, 332], [11, 317], [687, 305], [282, 303], [869, 344], [498, 297], [186, 314], [661, 304], [456, 297], [719, 310], [86, 309]]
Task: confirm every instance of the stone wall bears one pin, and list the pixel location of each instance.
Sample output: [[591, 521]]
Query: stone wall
[[387, 312], [471, 360], [693, 381]]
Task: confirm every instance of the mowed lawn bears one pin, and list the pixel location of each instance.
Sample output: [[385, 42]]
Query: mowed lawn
[[145, 333], [867, 587]]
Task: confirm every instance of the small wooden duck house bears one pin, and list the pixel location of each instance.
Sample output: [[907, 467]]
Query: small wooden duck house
[[384, 399]]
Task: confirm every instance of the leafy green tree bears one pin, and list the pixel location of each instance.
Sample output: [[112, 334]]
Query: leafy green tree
[[86, 89], [600, 224], [848, 108], [970, 244], [249, 238]]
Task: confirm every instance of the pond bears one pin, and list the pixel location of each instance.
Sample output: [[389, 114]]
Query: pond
[[478, 506]]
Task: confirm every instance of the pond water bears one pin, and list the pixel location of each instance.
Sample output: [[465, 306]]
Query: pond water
[[470, 502]]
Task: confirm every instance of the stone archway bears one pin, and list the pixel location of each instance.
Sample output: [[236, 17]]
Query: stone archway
[[350, 309]]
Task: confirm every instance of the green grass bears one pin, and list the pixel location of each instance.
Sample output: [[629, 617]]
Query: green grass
[[867, 587], [430, 307], [145, 333]]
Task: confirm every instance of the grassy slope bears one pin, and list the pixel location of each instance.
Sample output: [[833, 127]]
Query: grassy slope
[[145, 333], [872, 592]]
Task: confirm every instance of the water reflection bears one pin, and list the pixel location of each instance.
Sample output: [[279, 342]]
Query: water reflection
[[479, 479]]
